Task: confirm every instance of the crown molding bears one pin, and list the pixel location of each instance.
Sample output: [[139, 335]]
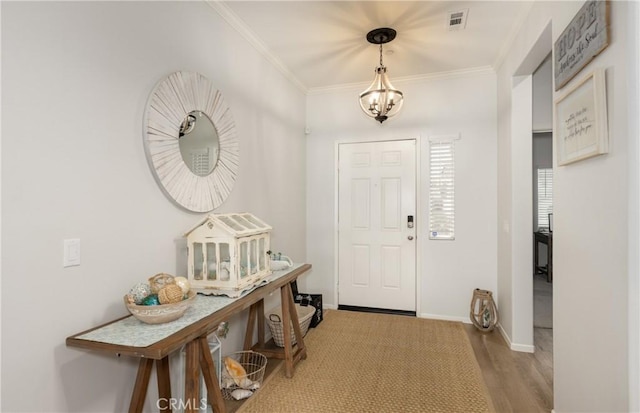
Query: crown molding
[[240, 26], [481, 70]]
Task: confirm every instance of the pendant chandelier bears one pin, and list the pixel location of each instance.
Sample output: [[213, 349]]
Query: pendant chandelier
[[381, 100]]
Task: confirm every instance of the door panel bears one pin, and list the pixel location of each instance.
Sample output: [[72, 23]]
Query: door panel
[[361, 207], [377, 192], [390, 265], [390, 204], [362, 271]]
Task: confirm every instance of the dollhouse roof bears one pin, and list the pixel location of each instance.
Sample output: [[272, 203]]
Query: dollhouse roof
[[237, 224]]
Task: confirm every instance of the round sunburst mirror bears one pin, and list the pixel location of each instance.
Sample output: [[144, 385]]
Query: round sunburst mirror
[[191, 142]]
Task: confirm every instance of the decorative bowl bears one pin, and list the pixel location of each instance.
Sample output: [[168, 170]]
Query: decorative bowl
[[158, 314]]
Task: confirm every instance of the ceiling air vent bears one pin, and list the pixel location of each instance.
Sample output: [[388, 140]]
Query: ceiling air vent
[[457, 19]]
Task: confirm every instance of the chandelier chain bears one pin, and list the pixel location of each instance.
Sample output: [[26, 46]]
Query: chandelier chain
[[381, 55]]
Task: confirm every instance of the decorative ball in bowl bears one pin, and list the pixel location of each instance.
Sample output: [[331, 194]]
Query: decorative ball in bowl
[[162, 313]]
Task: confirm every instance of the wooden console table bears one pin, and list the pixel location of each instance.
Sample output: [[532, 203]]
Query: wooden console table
[[115, 336], [547, 239]]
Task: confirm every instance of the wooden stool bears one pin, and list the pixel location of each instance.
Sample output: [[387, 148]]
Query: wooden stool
[[483, 314]]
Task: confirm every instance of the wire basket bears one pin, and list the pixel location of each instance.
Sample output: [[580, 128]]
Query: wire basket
[[240, 383], [274, 320]]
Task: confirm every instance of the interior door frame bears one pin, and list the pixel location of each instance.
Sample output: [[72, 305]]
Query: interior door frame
[[518, 331], [420, 217]]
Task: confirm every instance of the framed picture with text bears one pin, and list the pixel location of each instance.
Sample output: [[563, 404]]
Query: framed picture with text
[[586, 36], [580, 117]]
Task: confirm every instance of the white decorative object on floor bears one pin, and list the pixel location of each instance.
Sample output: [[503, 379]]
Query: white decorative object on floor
[[240, 394], [483, 314], [227, 253]]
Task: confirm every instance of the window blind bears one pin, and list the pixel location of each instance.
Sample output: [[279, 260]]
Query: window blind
[[545, 196], [441, 190]]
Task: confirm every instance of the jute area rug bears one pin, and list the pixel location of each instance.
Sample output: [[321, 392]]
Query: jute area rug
[[364, 362]]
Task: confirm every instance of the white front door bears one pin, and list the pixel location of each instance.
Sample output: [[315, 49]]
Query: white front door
[[377, 225]]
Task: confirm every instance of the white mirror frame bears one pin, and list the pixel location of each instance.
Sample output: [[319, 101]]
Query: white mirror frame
[[171, 100]]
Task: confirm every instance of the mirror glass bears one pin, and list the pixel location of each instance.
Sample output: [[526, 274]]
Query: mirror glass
[[199, 143]]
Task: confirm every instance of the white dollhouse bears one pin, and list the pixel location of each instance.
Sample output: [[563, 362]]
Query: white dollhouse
[[228, 252]]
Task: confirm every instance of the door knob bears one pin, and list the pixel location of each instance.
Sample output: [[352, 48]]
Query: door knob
[[410, 237]]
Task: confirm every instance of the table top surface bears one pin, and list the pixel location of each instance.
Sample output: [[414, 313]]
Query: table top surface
[[130, 331], [132, 337]]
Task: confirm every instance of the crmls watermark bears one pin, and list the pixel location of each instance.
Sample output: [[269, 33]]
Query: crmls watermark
[[180, 404]]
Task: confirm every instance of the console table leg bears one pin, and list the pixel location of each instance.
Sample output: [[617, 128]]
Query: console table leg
[[285, 294], [260, 310], [164, 384], [192, 378], [302, 351], [251, 322], [536, 255], [214, 394], [550, 259], [140, 388], [256, 315]]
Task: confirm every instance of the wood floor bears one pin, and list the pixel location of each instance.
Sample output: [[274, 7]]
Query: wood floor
[[517, 382]]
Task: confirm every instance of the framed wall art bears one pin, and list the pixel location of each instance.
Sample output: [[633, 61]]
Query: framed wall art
[[583, 39], [580, 117]]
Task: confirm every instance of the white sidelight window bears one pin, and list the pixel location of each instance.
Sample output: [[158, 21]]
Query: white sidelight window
[[545, 196], [442, 189]]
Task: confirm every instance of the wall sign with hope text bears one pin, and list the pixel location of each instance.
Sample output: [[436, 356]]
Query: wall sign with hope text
[[584, 38]]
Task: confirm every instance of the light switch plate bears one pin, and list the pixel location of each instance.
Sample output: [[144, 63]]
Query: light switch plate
[[71, 252]]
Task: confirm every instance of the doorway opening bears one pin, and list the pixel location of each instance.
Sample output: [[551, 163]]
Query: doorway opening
[[542, 162], [542, 171], [533, 221]]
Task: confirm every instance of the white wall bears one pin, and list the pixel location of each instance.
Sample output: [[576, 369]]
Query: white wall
[[543, 97], [542, 150], [462, 103], [634, 206], [592, 242], [76, 77], [522, 203]]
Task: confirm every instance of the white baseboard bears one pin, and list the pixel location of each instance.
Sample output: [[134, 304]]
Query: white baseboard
[[523, 348], [464, 320], [445, 318]]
